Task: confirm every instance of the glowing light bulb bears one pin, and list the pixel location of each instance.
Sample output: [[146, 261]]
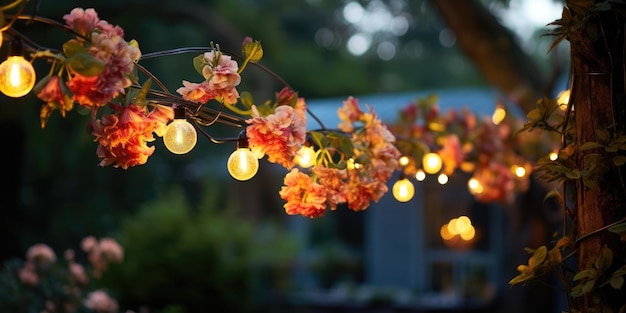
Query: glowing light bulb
[[180, 136], [420, 175], [17, 76], [432, 163], [553, 156], [305, 157], [404, 160], [519, 171], [403, 190], [474, 186], [243, 164], [498, 115], [442, 179]]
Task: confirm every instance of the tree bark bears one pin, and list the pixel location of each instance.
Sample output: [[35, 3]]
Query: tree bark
[[599, 102], [494, 51]]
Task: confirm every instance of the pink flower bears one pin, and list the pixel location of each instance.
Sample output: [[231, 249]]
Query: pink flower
[[108, 46], [111, 250], [27, 274], [82, 21], [349, 113], [88, 243], [222, 75], [198, 93], [101, 302], [40, 254], [77, 272], [123, 137], [451, 154]]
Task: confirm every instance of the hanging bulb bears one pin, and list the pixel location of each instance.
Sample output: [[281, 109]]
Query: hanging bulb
[[17, 76], [305, 157], [180, 136], [432, 163], [242, 163], [403, 190]]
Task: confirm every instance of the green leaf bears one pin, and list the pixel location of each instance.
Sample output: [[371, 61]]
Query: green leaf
[[538, 257], [590, 145], [618, 228], [140, 98], [617, 282], [590, 273], [604, 260], [521, 278], [619, 160], [252, 51], [588, 286], [84, 64], [199, 62]]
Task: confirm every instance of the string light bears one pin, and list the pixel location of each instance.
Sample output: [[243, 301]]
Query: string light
[[442, 179], [420, 175], [432, 163], [305, 157], [242, 163], [17, 76], [475, 186], [403, 161], [403, 190], [180, 136], [553, 156], [498, 114]]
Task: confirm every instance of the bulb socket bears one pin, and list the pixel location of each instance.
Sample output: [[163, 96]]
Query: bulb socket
[[242, 140], [179, 112]]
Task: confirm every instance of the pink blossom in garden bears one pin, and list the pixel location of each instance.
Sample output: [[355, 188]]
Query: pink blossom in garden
[[123, 136], [111, 250], [77, 272], [100, 302], [88, 243], [41, 254], [27, 274]]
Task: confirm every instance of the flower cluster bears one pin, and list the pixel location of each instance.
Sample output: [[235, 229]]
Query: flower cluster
[[486, 148], [42, 283], [95, 71], [352, 166]]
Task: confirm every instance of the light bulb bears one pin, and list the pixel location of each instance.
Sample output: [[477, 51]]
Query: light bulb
[[442, 179], [180, 136], [243, 164], [432, 163], [305, 157], [403, 190], [17, 76]]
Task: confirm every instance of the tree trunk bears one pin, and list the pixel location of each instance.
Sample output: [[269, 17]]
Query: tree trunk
[[598, 100]]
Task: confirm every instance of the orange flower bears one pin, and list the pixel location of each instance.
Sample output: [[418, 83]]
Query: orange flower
[[123, 137], [303, 196]]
